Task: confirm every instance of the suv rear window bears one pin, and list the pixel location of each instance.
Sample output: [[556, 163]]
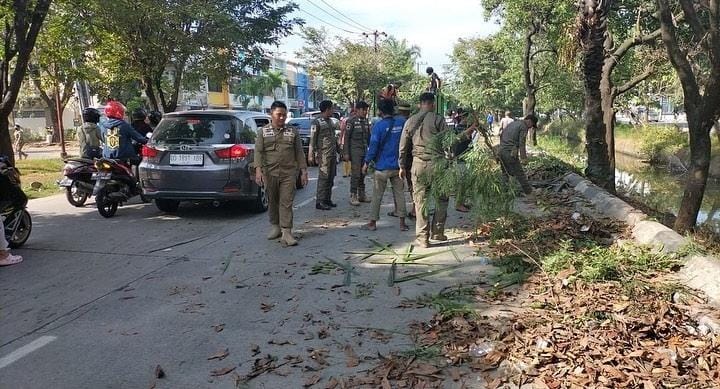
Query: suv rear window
[[196, 130]]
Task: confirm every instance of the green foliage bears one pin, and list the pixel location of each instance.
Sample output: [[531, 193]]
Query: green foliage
[[559, 148], [598, 263], [568, 128], [656, 143], [256, 86], [450, 303], [354, 71], [475, 173]]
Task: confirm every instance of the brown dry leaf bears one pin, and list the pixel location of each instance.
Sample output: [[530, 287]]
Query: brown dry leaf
[[314, 379], [265, 307], [218, 327], [539, 383], [636, 354], [455, 374], [280, 342], [220, 355], [386, 383], [619, 307], [323, 333], [159, 372], [352, 358], [648, 385], [222, 372], [332, 384], [255, 349]]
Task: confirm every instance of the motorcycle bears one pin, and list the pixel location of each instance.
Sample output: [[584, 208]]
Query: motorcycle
[[115, 184], [78, 181], [16, 219]]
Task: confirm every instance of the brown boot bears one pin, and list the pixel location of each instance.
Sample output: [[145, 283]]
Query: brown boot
[[287, 238], [274, 232], [363, 198], [354, 200]]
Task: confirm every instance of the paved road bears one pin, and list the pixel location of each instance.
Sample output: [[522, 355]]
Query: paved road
[[99, 303]]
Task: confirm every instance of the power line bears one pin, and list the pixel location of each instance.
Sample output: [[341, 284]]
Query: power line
[[331, 15], [328, 23], [346, 17]]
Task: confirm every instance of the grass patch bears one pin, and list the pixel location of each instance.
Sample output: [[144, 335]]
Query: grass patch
[[423, 353], [450, 303], [46, 172]]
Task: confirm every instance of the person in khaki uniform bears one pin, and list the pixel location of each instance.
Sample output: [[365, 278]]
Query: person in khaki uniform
[[357, 137], [513, 153], [278, 157], [416, 138], [323, 152], [383, 153]]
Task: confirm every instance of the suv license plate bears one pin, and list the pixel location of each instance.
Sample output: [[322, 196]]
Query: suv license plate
[[101, 176], [187, 159]]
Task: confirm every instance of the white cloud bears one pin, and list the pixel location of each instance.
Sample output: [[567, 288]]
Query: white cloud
[[433, 25]]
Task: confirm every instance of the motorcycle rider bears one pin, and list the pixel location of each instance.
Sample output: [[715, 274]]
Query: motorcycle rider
[[90, 136], [8, 195], [154, 117], [119, 134], [140, 121]]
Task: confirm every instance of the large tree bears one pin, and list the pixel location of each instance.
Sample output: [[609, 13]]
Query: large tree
[[171, 43], [693, 45], [21, 20]]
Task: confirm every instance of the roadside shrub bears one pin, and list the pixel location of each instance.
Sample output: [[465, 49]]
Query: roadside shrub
[[657, 143]]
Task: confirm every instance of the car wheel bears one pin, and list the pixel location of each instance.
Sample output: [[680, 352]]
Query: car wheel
[[260, 204], [169, 206]]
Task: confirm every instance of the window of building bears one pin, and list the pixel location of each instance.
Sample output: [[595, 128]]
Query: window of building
[[292, 91], [214, 85]]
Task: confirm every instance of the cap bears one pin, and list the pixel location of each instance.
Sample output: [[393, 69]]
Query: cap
[[403, 106]]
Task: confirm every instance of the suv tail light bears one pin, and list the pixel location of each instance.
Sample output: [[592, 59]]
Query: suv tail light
[[234, 152], [148, 152]]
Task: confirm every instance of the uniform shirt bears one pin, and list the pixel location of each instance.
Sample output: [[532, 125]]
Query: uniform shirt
[[357, 135], [118, 136], [512, 139], [278, 151], [322, 136], [418, 133], [385, 143]]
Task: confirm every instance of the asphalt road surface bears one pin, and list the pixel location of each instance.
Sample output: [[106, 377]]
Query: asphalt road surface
[[100, 303]]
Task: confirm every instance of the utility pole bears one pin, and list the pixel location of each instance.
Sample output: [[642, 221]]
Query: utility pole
[[376, 35]]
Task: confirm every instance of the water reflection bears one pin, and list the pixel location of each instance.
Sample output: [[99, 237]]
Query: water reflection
[[663, 190]]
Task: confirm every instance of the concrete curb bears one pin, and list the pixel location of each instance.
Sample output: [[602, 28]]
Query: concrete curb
[[700, 272]]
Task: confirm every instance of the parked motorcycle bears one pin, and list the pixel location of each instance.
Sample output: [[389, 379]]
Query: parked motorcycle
[[115, 184], [16, 219], [78, 180]]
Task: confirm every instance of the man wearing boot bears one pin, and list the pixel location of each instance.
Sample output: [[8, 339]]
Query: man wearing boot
[[357, 136], [322, 151], [278, 157], [416, 139]]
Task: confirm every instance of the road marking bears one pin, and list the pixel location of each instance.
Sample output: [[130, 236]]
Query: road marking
[[25, 350]]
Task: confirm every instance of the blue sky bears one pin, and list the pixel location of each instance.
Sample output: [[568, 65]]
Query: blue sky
[[432, 25]]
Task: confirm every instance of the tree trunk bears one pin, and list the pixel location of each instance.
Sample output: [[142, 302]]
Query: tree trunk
[[593, 30], [698, 172], [150, 92], [6, 144], [529, 102], [607, 94]]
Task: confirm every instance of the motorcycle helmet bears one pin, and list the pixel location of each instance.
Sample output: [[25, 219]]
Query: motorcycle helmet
[[155, 117], [91, 115], [138, 114], [115, 110]]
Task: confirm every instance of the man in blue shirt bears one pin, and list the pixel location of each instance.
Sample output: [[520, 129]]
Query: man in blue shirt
[[384, 152]]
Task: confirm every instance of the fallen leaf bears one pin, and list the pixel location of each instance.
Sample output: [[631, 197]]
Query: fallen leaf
[[220, 355], [386, 383], [218, 327], [222, 372], [332, 384], [267, 307], [255, 349], [314, 379], [352, 358], [159, 372]]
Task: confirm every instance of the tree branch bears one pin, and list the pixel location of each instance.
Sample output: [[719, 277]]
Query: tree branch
[[692, 18], [632, 83], [678, 59]]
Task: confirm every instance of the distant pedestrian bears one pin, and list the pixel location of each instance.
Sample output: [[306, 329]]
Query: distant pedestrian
[[435, 83], [279, 157], [490, 120], [19, 141], [357, 139], [505, 121], [322, 151], [383, 153], [513, 153]]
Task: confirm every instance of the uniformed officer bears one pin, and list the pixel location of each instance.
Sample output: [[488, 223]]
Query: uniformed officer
[[357, 136], [416, 139], [278, 157], [322, 151], [513, 153]]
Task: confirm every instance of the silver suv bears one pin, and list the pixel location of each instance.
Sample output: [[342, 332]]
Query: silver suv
[[203, 155]]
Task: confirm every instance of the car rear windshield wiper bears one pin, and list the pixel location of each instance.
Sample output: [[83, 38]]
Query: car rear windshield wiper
[[178, 140]]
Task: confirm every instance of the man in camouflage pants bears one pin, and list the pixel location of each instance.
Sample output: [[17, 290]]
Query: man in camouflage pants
[[357, 135], [323, 152]]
